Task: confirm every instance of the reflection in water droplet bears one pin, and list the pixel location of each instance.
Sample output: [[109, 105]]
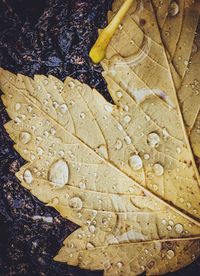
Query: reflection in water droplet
[[59, 173], [153, 140], [76, 203], [135, 162]]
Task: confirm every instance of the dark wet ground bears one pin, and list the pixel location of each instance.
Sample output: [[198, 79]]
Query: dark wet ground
[[44, 37]]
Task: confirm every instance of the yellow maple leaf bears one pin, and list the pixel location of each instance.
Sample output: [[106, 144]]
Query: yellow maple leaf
[[125, 173]]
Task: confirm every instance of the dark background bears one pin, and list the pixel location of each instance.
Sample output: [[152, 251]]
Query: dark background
[[44, 37]]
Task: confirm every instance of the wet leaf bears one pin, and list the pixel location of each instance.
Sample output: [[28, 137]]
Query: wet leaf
[[125, 173]]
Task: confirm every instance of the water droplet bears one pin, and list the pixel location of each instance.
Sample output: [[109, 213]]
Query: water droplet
[[158, 169], [76, 203], [82, 185], [164, 222], [45, 82], [55, 201], [181, 199], [127, 119], [173, 9], [28, 178], [89, 246], [146, 156], [119, 94], [17, 120], [165, 133], [135, 162], [63, 108], [53, 131], [120, 27], [127, 139], [25, 137], [59, 173], [39, 151], [102, 151], [126, 108], [55, 105], [170, 254], [29, 109], [169, 228], [17, 106], [82, 115], [119, 264], [118, 144], [178, 150], [178, 228], [92, 229], [153, 140], [71, 84], [155, 187], [120, 127], [171, 222], [108, 108]]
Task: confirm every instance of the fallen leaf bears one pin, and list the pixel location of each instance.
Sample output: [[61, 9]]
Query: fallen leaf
[[125, 173]]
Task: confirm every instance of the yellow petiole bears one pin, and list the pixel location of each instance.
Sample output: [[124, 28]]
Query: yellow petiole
[[97, 53]]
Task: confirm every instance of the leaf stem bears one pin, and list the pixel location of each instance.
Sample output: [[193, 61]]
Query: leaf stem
[[97, 53]]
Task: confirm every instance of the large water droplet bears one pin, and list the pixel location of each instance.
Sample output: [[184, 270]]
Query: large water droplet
[[59, 173], [76, 203], [153, 140], [25, 137], [135, 162], [28, 178], [158, 169]]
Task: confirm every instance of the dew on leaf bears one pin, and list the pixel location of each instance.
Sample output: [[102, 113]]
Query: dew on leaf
[[135, 162], [76, 203], [28, 178], [59, 173]]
